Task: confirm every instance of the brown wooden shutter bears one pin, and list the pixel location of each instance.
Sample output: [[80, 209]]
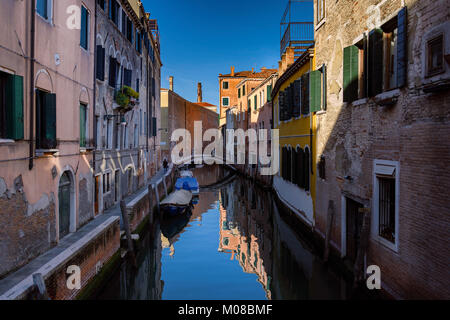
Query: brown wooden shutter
[[375, 62]]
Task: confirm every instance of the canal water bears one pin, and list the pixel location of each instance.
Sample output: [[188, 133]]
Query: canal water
[[236, 244]]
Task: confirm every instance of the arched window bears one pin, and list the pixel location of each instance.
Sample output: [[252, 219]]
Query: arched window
[[289, 165], [301, 169], [306, 162]]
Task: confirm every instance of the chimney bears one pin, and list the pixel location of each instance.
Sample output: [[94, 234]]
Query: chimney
[[253, 70], [199, 92], [263, 69], [232, 71], [290, 56], [171, 83]]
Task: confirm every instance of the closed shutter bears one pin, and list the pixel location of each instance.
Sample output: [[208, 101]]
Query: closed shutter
[[153, 87], [290, 101], [154, 126], [301, 165], [82, 126], [305, 94], [297, 98], [289, 165], [100, 63], [284, 169], [350, 73], [256, 102], [249, 107], [127, 77], [375, 62], [84, 28], [315, 92], [48, 118], [402, 57], [112, 72], [239, 92], [269, 92], [14, 108]]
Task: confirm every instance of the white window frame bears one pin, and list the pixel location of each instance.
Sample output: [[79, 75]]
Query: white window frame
[[49, 12], [223, 85], [223, 105], [109, 134], [380, 167]]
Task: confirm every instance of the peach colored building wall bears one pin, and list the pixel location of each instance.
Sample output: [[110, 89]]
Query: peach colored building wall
[[29, 198]]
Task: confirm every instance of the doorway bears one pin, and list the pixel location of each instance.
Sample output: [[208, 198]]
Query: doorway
[[354, 226], [65, 203], [97, 194]]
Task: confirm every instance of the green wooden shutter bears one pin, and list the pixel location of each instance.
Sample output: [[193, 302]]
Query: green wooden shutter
[[290, 101], [256, 102], [239, 92], [305, 94], [375, 62], [350, 73], [249, 107], [402, 56], [14, 108], [84, 28], [49, 118], [315, 92], [269, 92], [82, 126], [297, 98], [154, 127]]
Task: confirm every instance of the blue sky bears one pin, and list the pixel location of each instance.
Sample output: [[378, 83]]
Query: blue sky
[[202, 38]]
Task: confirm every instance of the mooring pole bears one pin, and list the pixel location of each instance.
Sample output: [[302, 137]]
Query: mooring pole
[[126, 226]]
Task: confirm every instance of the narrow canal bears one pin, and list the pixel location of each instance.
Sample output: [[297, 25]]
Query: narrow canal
[[236, 244]]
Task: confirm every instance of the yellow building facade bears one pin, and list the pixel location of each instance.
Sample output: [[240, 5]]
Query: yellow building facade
[[296, 99]]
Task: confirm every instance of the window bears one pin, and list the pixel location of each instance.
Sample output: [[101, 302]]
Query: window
[[435, 56], [114, 68], [137, 85], [225, 102], [127, 75], [225, 85], [117, 135], [255, 98], [243, 90], [390, 55], [239, 92], [129, 30], [44, 9], [84, 33], [45, 120], [98, 127], [138, 42], [11, 106], [386, 195], [100, 63], [106, 182], [109, 129], [136, 136], [101, 4], [320, 10], [114, 11], [124, 23], [83, 126]]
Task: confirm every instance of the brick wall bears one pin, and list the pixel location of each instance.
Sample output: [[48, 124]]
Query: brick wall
[[411, 132]]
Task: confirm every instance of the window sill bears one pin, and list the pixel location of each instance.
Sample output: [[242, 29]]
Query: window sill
[[385, 243], [46, 152], [359, 102], [6, 141], [388, 98], [436, 86]]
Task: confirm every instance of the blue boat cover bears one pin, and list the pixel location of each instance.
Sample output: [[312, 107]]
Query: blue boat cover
[[186, 183]]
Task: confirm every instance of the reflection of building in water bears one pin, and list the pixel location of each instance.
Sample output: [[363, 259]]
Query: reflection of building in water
[[245, 230]]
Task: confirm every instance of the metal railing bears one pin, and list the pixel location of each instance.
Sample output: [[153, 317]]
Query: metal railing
[[299, 35]]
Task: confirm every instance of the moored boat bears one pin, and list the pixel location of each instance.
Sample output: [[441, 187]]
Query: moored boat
[[176, 202], [189, 184]]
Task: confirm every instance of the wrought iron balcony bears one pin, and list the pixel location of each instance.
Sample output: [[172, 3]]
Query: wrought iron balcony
[[299, 35]]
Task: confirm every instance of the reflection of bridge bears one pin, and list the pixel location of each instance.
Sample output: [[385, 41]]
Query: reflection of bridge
[[220, 184]]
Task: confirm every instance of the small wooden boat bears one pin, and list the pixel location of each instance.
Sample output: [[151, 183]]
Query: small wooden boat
[[176, 202]]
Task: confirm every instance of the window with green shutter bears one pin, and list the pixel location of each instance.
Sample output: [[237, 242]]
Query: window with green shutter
[[256, 102], [84, 33], [402, 53], [350, 73], [155, 130], [243, 90], [83, 116], [315, 92], [11, 106], [45, 120], [305, 94], [269, 92]]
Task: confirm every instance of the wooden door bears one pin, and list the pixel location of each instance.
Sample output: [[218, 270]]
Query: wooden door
[[354, 226]]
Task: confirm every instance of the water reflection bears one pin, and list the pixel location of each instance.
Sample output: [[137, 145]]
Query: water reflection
[[236, 244]]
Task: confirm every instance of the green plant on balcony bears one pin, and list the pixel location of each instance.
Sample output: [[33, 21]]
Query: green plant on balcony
[[125, 95]]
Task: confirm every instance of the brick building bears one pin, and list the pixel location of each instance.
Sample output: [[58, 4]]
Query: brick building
[[230, 94], [379, 139], [178, 113]]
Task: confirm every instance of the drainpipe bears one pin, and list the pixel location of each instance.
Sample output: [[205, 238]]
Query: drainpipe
[[94, 94], [32, 48]]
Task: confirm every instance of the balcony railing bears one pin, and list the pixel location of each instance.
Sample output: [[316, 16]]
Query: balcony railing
[[299, 35]]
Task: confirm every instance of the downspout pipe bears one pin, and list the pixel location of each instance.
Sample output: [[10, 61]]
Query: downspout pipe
[[95, 129], [32, 56]]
